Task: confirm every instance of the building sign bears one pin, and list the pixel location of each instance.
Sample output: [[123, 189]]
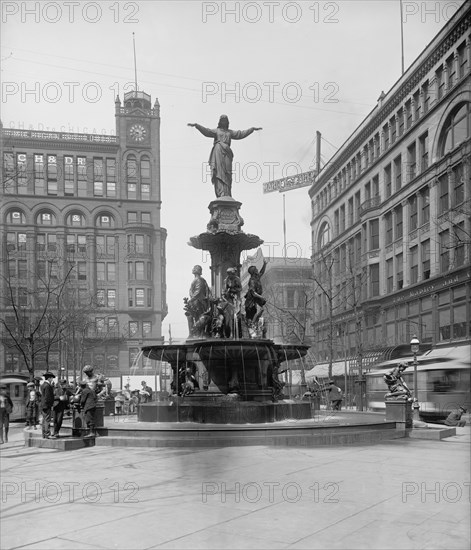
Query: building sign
[[306, 179]]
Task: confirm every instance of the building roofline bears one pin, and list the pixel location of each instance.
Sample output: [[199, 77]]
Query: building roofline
[[398, 91], [39, 135]]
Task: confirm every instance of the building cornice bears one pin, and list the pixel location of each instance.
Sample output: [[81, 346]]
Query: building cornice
[[400, 91], [59, 140]]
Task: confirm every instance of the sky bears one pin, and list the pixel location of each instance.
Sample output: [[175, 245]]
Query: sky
[[292, 68]]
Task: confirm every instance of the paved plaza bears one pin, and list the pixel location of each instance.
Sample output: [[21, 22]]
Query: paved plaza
[[398, 494]]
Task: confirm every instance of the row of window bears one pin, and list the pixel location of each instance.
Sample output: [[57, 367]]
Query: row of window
[[74, 219], [451, 190], [46, 270], [42, 174], [107, 325], [360, 284], [443, 318], [76, 245], [137, 297], [456, 129]]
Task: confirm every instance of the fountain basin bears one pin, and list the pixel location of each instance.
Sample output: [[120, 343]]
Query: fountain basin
[[243, 366], [240, 376]]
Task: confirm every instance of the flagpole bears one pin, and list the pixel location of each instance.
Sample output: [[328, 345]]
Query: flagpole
[[402, 38], [135, 64], [284, 227]]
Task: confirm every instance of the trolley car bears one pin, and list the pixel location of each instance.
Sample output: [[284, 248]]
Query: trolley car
[[443, 384], [16, 389]]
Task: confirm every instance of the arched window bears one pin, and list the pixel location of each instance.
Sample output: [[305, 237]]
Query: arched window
[[324, 235], [145, 169], [105, 220], [46, 218], [16, 217], [131, 168], [457, 128], [75, 219]]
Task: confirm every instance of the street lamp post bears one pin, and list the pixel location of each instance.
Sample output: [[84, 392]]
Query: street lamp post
[[416, 422]]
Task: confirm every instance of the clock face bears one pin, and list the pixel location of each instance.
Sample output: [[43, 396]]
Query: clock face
[[137, 132]]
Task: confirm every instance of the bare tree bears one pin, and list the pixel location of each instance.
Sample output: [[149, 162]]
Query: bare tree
[[455, 225], [41, 314], [328, 294], [33, 314]]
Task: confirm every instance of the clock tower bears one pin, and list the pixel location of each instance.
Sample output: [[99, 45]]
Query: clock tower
[[138, 133], [139, 192], [138, 123]]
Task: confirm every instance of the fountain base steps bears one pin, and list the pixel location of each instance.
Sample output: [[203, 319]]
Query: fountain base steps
[[236, 436], [63, 443]]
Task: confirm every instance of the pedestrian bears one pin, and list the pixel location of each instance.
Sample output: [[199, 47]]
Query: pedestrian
[[335, 396], [6, 407], [454, 418], [88, 402], [145, 393], [133, 401], [33, 401], [47, 401], [61, 404], [119, 402]]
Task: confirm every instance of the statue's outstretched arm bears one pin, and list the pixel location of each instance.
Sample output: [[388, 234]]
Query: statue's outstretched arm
[[205, 131], [241, 134]]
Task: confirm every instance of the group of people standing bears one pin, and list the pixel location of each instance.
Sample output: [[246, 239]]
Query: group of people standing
[[127, 400], [52, 399]]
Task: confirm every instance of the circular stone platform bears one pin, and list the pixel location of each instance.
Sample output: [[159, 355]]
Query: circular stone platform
[[326, 428]]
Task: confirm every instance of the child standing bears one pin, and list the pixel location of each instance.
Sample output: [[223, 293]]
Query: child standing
[[32, 405]]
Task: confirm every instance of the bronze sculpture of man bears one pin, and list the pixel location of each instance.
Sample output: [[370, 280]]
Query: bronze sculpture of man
[[198, 305], [254, 301], [220, 159]]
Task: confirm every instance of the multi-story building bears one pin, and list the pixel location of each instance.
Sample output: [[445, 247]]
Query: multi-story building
[[82, 211], [287, 287], [391, 228]]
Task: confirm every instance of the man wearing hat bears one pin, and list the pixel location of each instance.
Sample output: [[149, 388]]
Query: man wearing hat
[[88, 403], [454, 418], [62, 394], [47, 400], [6, 406]]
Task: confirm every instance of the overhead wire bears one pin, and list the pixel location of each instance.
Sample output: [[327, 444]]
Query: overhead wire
[[160, 84]]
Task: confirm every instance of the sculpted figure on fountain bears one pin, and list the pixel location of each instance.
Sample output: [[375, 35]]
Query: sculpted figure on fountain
[[398, 389], [254, 302]]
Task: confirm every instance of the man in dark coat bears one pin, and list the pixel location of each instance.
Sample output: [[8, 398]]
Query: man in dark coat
[[88, 402], [6, 407], [61, 403], [47, 401]]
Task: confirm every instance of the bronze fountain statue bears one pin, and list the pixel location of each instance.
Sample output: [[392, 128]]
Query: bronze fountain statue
[[227, 348]]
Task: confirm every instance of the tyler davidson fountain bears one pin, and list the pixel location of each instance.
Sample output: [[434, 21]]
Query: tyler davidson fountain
[[227, 371]]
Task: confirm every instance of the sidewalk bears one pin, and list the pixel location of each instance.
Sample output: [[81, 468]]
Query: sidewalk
[[399, 494]]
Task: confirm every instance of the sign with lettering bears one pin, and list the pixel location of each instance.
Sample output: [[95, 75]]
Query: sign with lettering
[[306, 179]]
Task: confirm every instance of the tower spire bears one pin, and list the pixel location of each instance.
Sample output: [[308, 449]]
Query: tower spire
[[135, 64]]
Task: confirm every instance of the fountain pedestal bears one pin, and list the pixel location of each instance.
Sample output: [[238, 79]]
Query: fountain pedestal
[[224, 240], [240, 374]]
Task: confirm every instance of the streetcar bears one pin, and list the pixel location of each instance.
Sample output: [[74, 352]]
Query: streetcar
[[443, 382], [16, 389]]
